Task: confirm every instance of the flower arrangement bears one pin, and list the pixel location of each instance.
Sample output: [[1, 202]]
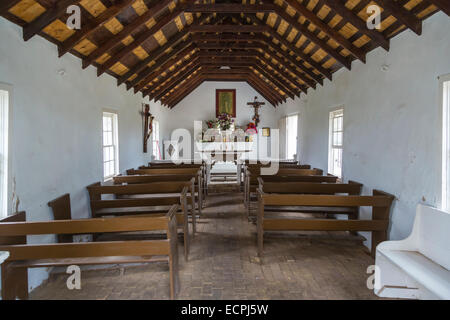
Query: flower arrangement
[[212, 124], [251, 128], [225, 121]]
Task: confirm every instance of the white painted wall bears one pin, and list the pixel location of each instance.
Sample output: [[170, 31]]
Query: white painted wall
[[200, 105], [57, 125], [392, 122]]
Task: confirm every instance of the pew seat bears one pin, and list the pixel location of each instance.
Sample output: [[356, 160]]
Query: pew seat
[[419, 266]]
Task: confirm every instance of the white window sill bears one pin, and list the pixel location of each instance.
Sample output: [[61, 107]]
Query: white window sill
[[3, 256]]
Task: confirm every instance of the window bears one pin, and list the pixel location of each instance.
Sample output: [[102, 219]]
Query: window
[[110, 145], [156, 145], [444, 94], [291, 136], [4, 117], [336, 142]]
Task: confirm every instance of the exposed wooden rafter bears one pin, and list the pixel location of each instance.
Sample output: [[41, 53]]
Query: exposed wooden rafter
[[166, 49]]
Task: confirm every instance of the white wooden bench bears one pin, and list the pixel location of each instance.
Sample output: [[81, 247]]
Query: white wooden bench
[[417, 267]]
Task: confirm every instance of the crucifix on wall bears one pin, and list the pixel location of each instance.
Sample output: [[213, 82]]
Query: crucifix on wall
[[148, 125], [256, 105]]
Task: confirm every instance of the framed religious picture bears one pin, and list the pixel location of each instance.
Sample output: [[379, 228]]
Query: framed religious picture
[[226, 102], [266, 132]]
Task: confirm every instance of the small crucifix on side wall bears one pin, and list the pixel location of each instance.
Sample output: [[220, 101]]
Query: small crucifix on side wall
[[148, 125], [256, 105]]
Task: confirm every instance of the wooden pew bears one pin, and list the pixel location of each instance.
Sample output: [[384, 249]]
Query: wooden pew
[[14, 282], [202, 167], [189, 179], [151, 199], [380, 202], [24, 256], [351, 188], [252, 175], [174, 171], [284, 165]]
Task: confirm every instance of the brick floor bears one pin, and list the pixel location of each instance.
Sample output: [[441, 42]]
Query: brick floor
[[223, 265]]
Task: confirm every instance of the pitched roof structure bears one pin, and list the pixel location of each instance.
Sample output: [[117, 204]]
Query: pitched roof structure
[[167, 48]]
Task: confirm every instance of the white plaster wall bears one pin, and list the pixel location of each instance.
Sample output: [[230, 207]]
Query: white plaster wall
[[56, 143], [200, 105], [392, 121]]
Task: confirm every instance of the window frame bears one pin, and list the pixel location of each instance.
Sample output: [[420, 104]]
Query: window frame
[[9, 184], [156, 124], [333, 114], [115, 137], [444, 110], [287, 134]]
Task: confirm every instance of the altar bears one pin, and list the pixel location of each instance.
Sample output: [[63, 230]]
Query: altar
[[213, 152]]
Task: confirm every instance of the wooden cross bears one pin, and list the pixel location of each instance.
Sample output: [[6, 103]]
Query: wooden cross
[[148, 125], [256, 105]]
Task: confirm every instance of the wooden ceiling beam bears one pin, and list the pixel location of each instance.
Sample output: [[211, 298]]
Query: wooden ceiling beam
[[261, 91], [183, 91], [191, 85], [50, 15], [274, 78], [324, 27], [5, 5], [345, 61], [161, 23], [161, 52], [339, 7], [266, 87], [282, 70], [283, 73], [270, 91], [125, 32], [161, 82], [158, 68], [280, 75], [277, 79], [278, 83], [400, 13], [228, 8], [292, 47], [264, 44], [286, 55], [93, 25], [173, 81], [443, 5], [230, 28], [175, 78]]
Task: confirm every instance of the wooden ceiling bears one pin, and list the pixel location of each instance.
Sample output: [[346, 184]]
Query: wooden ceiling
[[167, 48]]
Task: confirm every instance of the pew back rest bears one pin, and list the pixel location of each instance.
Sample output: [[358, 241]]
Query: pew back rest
[[89, 226], [380, 201], [352, 188], [280, 178], [431, 233], [281, 165], [20, 239], [62, 211], [97, 190], [194, 171], [143, 179], [171, 166]]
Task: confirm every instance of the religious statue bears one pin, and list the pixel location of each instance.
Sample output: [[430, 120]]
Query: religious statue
[[148, 125], [256, 105]]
